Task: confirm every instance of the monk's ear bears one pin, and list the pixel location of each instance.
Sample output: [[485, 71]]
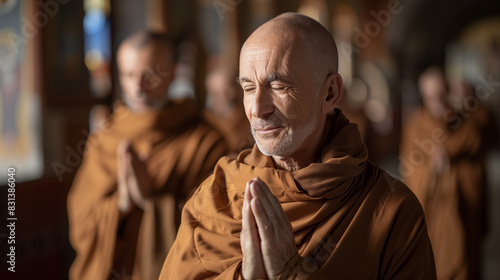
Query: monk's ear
[[332, 94]]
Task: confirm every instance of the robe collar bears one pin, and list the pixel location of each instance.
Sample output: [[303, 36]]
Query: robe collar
[[342, 161], [176, 115]]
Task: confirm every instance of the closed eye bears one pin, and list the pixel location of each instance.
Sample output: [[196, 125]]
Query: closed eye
[[279, 87], [248, 90]]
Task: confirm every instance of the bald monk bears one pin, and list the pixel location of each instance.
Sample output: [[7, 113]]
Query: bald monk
[[125, 203], [424, 135], [425, 167], [304, 203], [443, 154], [472, 134]]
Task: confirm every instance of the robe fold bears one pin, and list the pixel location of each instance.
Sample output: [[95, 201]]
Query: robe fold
[[454, 201], [182, 151], [350, 219]]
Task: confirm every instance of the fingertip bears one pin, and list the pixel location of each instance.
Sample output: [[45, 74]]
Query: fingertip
[[253, 188], [258, 186], [250, 181], [248, 192]]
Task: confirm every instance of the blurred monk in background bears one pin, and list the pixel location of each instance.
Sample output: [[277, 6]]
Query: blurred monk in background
[[473, 134], [304, 203], [443, 151], [138, 170], [225, 109]]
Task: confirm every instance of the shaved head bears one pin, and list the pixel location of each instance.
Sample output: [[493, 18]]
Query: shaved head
[[297, 28], [434, 91], [146, 38]]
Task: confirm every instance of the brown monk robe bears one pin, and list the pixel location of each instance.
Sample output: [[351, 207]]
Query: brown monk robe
[[182, 153], [443, 163], [124, 206], [304, 202], [472, 134], [436, 188], [350, 219], [466, 149]]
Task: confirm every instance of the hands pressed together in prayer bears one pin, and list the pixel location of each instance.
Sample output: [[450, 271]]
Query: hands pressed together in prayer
[[440, 160], [267, 239], [134, 183]]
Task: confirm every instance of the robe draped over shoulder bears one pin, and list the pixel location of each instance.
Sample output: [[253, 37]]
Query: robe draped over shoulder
[[455, 201], [182, 152], [350, 219]]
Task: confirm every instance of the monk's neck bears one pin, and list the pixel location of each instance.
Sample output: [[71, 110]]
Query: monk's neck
[[287, 163]]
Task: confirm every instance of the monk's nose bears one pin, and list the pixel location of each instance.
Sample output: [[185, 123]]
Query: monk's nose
[[263, 104]]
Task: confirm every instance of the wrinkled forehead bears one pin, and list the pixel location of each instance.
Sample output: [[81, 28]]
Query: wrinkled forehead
[[273, 54]]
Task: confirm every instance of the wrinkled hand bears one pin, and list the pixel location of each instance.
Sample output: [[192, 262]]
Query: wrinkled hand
[[134, 183], [267, 237]]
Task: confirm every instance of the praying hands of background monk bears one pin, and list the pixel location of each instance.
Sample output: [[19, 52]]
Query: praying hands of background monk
[[266, 237], [440, 161], [134, 182]]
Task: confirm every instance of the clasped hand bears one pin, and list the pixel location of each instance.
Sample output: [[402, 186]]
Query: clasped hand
[[267, 240], [134, 183]]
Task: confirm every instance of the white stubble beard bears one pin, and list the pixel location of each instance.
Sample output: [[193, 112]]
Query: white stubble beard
[[289, 142]]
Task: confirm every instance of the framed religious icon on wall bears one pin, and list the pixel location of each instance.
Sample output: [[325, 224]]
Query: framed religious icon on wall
[[20, 105]]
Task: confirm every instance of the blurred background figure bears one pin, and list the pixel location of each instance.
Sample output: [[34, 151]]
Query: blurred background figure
[[426, 167], [225, 110], [139, 168], [443, 161], [473, 135]]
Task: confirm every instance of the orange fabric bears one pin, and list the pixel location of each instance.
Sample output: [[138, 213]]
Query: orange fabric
[[454, 202], [182, 149], [351, 220]]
